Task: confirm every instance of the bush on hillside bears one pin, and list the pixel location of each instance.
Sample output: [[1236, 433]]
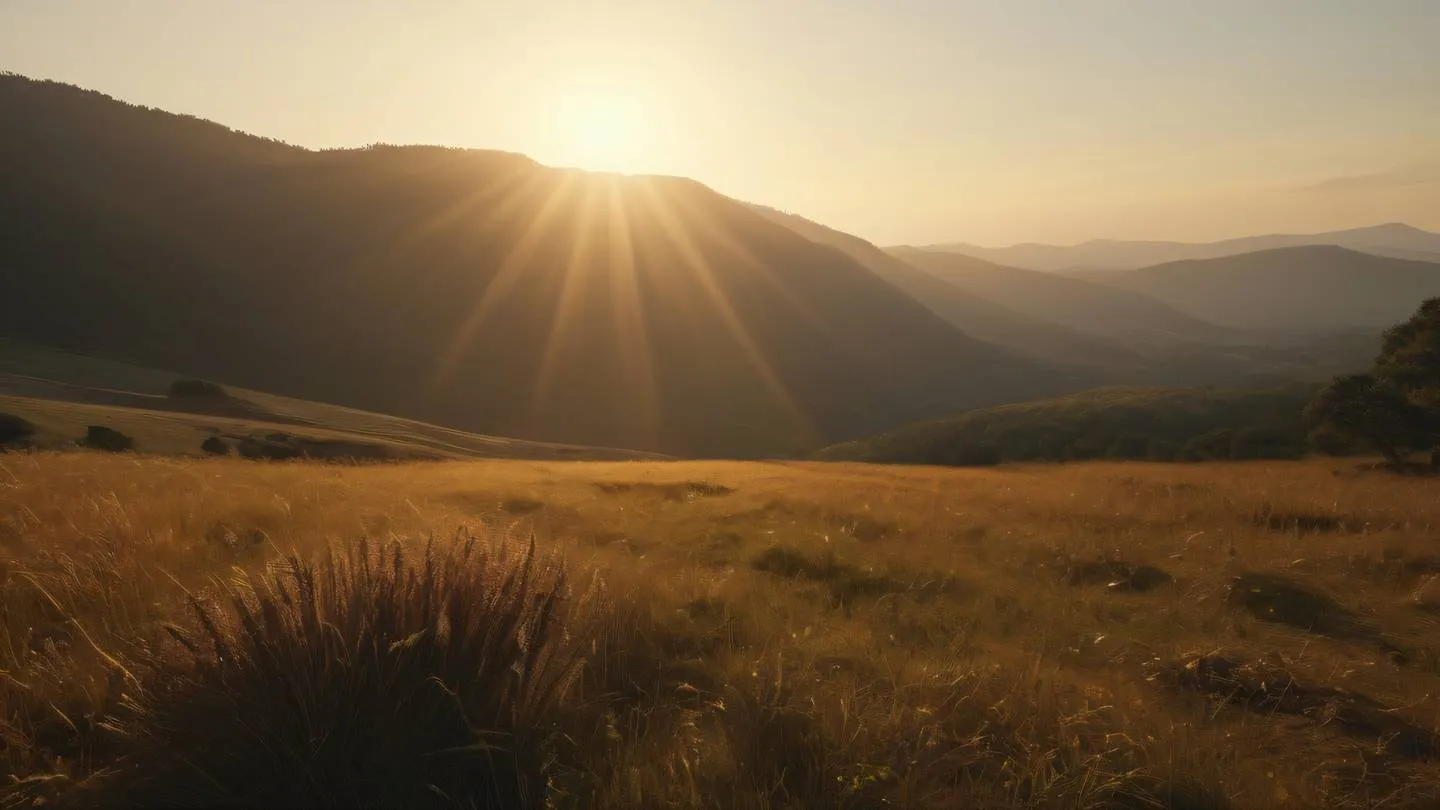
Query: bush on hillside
[[383, 677], [99, 437], [1213, 445], [1266, 442], [15, 429], [215, 446]]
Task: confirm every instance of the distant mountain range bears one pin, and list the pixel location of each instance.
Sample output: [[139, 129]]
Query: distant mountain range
[[1123, 336], [1316, 287], [1394, 240], [984, 318], [1083, 306]]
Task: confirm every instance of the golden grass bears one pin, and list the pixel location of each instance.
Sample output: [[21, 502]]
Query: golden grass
[[799, 635]]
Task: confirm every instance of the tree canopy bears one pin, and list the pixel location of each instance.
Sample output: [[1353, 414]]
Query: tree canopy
[[1395, 408]]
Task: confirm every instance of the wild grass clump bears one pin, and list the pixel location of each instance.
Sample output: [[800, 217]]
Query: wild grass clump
[[381, 677]]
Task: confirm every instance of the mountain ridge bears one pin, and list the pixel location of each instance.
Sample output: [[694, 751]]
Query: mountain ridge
[[1075, 303], [977, 315], [1392, 239], [1291, 288]]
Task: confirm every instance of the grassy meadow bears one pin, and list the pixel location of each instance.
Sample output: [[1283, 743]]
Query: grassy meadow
[[223, 633]]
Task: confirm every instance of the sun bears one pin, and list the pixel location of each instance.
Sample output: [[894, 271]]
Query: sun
[[603, 132]]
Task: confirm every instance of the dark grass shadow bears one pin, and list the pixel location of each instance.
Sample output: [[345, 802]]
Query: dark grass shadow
[[1281, 600], [1118, 576], [1270, 690], [683, 491]]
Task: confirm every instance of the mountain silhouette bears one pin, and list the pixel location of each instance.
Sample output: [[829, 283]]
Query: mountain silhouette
[[1318, 287], [1089, 308], [978, 316], [479, 290], [1395, 240], [1115, 335]]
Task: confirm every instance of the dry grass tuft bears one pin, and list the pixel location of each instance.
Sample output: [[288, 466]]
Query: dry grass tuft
[[378, 676]]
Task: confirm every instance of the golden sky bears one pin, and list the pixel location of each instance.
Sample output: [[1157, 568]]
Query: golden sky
[[903, 121]]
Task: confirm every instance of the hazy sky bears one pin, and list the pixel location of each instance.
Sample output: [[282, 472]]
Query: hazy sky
[[917, 121]]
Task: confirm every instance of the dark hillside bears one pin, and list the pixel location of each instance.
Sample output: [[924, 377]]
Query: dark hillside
[[1157, 424], [474, 289]]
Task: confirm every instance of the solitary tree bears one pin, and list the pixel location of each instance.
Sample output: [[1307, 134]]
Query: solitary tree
[[1366, 408], [1410, 356], [1395, 409]]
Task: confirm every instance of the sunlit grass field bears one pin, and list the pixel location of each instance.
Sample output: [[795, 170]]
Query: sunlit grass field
[[717, 635]]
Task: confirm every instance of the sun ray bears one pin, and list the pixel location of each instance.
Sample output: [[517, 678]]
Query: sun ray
[[502, 191], [505, 278], [696, 262], [632, 335], [573, 283], [706, 224]]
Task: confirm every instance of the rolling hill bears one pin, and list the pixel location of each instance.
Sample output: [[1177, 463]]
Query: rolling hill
[[1085, 307], [478, 290], [1120, 336], [1298, 289], [978, 316], [1394, 240], [1160, 424], [61, 394]]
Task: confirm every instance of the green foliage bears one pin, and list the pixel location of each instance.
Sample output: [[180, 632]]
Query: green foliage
[[215, 446], [1213, 445], [1367, 408], [14, 429], [1410, 356], [1395, 409], [110, 440], [381, 677], [1154, 424], [1265, 442]]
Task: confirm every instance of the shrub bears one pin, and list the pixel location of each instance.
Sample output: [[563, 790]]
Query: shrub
[[215, 446], [385, 677], [1264, 442], [197, 389], [975, 455], [1129, 445], [99, 437], [267, 449], [1211, 446], [14, 429]]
